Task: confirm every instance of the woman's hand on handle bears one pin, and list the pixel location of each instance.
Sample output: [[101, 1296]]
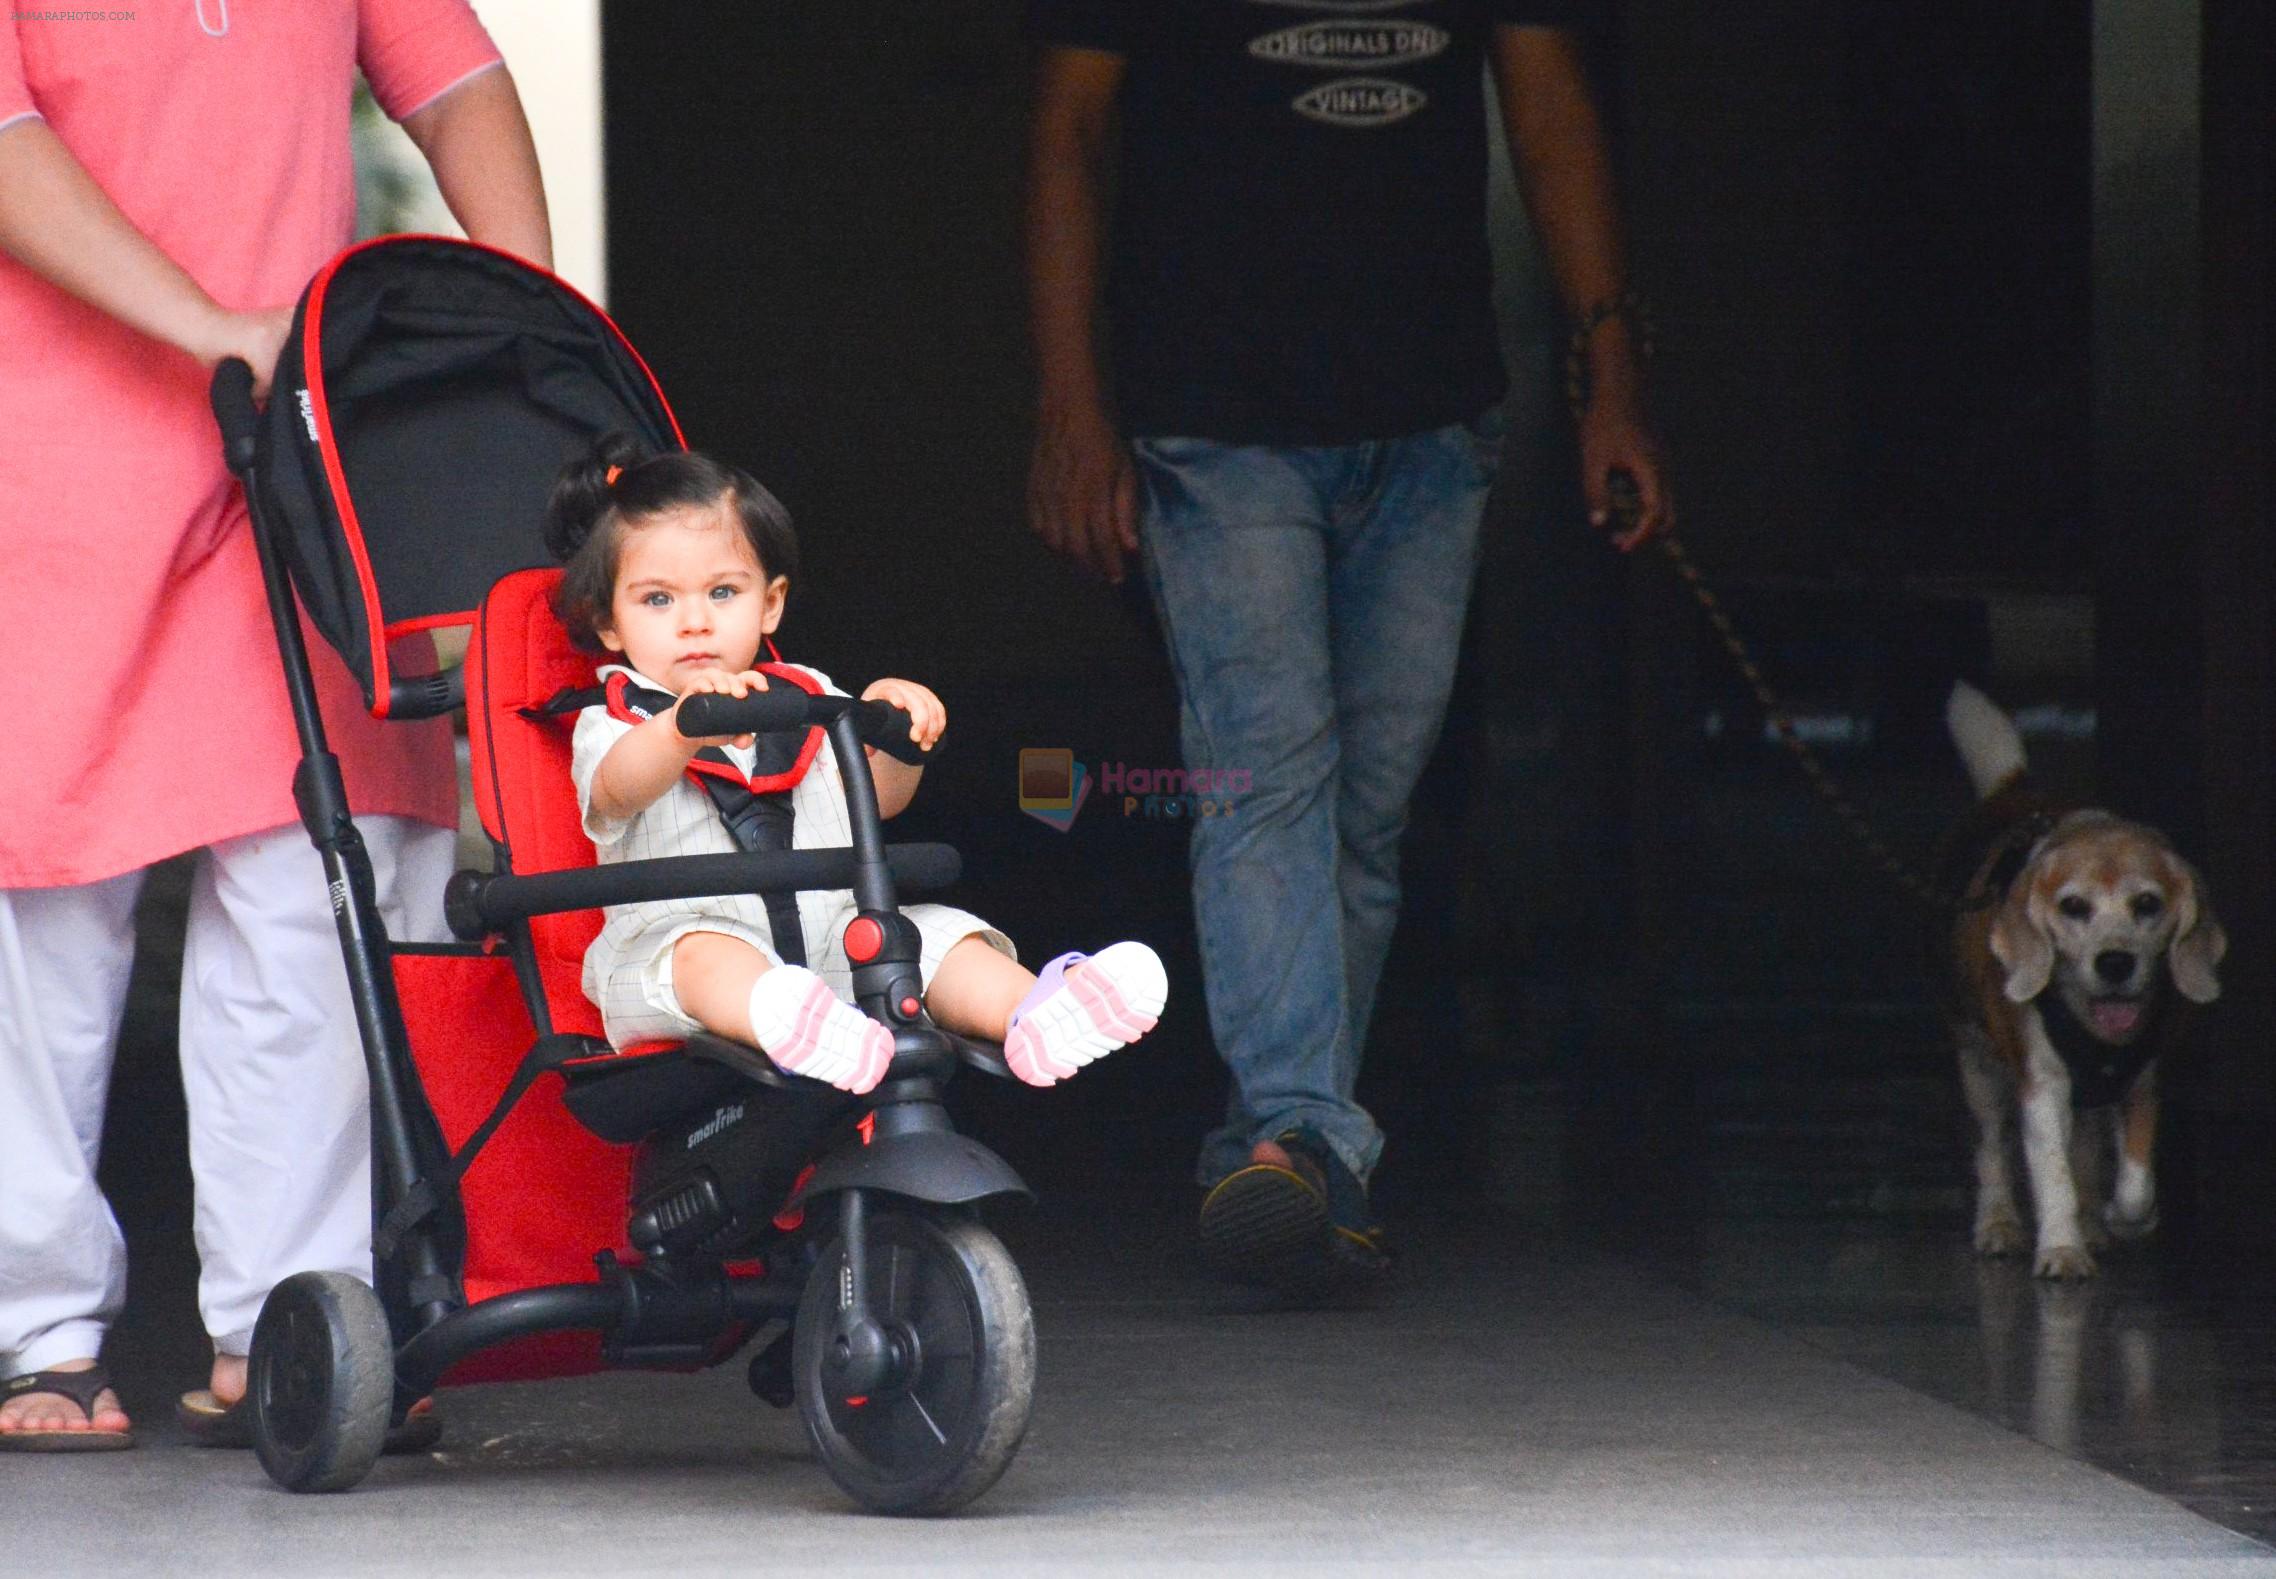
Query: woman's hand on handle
[[57, 222], [256, 338]]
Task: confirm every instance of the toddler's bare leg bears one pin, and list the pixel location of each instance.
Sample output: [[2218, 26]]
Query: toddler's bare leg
[[974, 990], [712, 976]]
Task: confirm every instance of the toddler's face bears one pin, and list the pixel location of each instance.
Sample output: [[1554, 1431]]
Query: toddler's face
[[690, 595]]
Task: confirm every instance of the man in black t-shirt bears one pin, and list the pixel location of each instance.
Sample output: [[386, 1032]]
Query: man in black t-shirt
[[1298, 438]]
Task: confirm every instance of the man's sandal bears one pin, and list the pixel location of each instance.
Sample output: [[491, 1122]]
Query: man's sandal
[[211, 1423], [82, 1388], [1295, 1220]]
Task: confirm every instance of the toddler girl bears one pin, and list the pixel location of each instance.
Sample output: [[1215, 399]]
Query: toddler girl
[[680, 567]]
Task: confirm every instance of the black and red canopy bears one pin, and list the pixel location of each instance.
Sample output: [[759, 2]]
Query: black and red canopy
[[424, 405]]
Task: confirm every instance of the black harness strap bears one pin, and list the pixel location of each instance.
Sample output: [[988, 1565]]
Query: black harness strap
[[754, 821], [2100, 1073]]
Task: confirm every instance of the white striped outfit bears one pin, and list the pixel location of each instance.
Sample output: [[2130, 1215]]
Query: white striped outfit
[[628, 969]]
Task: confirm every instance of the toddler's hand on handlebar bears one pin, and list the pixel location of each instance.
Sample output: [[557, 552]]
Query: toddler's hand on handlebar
[[719, 682], [927, 717]]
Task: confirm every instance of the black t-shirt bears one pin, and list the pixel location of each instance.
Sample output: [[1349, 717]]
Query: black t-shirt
[[1299, 251]]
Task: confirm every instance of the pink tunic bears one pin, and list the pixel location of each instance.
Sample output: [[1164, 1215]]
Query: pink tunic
[[147, 713]]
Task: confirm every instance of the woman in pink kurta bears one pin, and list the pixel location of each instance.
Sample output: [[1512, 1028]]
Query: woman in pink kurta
[[169, 181]]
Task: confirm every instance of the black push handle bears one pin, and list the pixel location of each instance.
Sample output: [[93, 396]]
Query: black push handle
[[232, 394], [781, 707]]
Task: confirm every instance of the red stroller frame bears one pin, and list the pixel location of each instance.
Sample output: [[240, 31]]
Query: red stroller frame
[[545, 1205]]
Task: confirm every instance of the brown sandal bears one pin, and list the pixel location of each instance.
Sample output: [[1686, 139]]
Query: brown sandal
[[82, 1388]]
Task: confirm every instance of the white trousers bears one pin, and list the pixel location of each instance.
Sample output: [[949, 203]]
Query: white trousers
[[272, 1071]]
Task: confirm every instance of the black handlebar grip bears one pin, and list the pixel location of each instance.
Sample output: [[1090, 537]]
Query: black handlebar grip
[[925, 867], [232, 395], [762, 712], [887, 728]]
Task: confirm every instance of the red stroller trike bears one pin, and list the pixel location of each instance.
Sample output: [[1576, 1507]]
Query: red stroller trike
[[545, 1205]]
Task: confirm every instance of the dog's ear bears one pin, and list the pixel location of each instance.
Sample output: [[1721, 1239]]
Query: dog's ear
[[2198, 941], [2019, 942]]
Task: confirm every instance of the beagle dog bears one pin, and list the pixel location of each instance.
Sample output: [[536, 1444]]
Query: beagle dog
[[2081, 948]]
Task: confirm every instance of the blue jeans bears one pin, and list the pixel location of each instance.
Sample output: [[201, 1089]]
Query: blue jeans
[[1312, 600]]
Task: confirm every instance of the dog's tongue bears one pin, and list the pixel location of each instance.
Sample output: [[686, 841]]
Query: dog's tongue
[[2116, 1016]]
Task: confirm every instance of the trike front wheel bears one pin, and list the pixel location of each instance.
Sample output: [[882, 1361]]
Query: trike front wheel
[[955, 1310]]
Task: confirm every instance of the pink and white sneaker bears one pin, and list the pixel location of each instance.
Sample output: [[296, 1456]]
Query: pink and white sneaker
[[809, 1030], [1084, 1007]]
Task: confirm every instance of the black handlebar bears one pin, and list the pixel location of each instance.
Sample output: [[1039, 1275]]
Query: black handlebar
[[776, 708], [478, 903], [232, 396], [781, 707]]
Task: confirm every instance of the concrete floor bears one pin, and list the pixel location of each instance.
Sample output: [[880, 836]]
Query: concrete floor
[[1519, 1404], [1719, 1319]]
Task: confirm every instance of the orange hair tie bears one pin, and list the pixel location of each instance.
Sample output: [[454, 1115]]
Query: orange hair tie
[[614, 473]]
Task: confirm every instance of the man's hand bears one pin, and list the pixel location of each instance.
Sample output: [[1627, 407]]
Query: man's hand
[[1613, 440], [1082, 494], [1082, 497], [927, 717], [1617, 436], [257, 337], [719, 682], [1557, 149]]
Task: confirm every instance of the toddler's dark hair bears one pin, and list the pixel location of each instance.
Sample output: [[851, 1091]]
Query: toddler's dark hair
[[588, 515]]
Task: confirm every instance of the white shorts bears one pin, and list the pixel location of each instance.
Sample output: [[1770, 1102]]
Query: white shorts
[[638, 1003]]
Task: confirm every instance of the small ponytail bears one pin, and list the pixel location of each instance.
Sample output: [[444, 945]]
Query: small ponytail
[[583, 495]]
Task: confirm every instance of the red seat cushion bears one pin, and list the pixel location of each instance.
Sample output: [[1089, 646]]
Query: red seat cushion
[[518, 657], [546, 1194]]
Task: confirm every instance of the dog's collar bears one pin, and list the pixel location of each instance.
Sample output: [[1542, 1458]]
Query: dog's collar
[[2100, 1074]]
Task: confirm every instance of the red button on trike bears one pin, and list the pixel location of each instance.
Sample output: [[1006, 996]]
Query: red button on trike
[[864, 938]]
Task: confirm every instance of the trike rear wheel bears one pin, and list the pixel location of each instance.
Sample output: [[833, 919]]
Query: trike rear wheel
[[956, 1311], [321, 1379]]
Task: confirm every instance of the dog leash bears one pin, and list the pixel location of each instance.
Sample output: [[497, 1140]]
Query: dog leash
[[1626, 501], [1627, 508]]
